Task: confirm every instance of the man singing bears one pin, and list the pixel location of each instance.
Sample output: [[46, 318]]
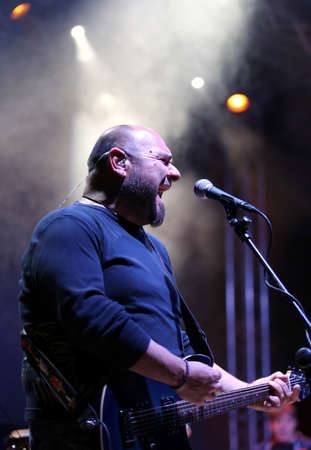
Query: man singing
[[99, 298]]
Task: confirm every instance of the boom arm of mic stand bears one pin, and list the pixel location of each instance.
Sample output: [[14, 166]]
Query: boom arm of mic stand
[[240, 226]]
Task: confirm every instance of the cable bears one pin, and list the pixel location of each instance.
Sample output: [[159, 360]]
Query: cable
[[292, 298], [107, 433], [270, 231], [100, 159], [71, 192]]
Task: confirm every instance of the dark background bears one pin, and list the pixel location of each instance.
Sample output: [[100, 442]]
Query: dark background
[[263, 153]]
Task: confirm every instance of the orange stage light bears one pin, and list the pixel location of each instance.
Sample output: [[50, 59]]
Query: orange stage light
[[20, 10], [237, 103]]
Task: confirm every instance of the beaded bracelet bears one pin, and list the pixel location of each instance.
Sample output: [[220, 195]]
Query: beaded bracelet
[[185, 377]]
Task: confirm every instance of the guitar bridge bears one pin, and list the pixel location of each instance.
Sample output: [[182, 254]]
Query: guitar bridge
[[141, 423]]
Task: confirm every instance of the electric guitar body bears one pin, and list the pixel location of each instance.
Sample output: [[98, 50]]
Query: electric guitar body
[[146, 399]]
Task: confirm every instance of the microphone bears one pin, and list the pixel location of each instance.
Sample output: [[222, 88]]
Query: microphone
[[303, 358], [205, 188]]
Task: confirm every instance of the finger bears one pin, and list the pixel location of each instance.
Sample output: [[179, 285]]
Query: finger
[[215, 375], [201, 402], [274, 401], [267, 403], [284, 386], [280, 375], [294, 396], [210, 397], [277, 401], [218, 387], [278, 389], [288, 396]]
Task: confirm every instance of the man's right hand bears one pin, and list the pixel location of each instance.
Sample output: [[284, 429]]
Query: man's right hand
[[203, 382]]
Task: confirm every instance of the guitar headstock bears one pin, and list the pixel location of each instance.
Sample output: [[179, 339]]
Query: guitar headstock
[[298, 376]]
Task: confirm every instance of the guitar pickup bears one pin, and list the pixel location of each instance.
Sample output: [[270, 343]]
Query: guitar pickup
[[126, 428]]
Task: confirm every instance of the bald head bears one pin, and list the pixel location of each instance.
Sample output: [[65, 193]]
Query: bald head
[[130, 138]]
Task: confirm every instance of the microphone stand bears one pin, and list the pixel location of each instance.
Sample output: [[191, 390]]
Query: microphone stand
[[241, 227]]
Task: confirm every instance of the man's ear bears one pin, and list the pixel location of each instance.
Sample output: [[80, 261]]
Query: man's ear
[[118, 160]]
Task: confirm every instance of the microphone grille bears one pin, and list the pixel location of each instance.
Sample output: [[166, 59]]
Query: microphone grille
[[201, 186]]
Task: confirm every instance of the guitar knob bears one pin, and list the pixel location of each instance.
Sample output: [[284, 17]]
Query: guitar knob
[[91, 423]]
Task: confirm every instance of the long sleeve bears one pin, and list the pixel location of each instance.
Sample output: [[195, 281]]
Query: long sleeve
[[68, 285]]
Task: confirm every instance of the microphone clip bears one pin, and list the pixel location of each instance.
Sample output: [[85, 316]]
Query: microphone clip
[[240, 226]]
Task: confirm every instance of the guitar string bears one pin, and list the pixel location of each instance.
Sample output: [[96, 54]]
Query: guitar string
[[184, 406], [182, 403], [191, 412], [170, 410], [141, 429], [227, 395], [198, 412], [172, 418]]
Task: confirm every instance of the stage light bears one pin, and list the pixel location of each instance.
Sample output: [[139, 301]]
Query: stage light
[[197, 83], [20, 11], [77, 32], [237, 103], [85, 53]]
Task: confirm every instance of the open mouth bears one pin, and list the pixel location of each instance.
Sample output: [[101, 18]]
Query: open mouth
[[164, 186]]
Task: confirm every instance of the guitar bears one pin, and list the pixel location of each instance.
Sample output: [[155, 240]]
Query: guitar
[[142, 414]]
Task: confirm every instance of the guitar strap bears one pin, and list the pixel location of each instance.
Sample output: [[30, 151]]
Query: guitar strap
[[195, 333], [65, 393]]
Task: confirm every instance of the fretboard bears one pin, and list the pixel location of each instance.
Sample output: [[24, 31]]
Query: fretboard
[[174, 414], [190, 413]]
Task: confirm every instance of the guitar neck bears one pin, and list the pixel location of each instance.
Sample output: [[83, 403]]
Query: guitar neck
[[152, 421], [189, 413]]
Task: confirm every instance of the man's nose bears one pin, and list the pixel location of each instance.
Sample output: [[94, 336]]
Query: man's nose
[[174, 173]]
